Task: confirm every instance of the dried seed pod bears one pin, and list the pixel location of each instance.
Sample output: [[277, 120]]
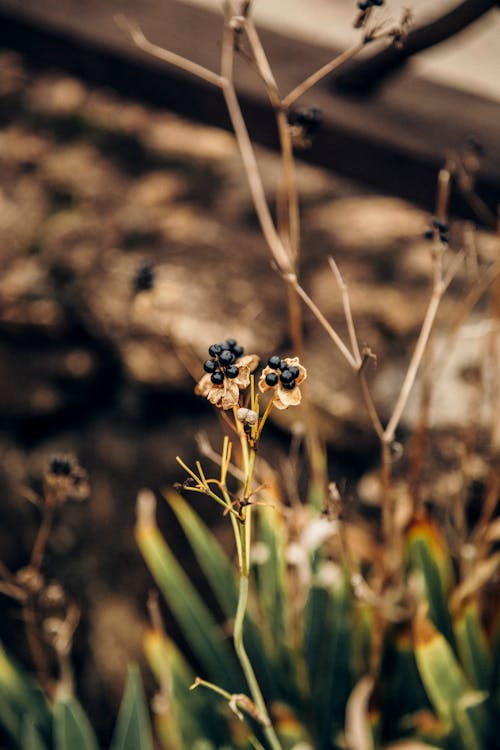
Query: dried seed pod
[[247, 416]]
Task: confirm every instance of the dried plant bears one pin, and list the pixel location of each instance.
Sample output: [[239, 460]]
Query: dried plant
[[343, 636]]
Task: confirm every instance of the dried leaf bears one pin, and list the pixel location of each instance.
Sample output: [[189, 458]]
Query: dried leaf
[[357, 727]]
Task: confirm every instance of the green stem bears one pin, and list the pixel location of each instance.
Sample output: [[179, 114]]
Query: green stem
[[246, 665]]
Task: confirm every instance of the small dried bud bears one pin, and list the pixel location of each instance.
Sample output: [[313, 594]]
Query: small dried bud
[[247, 416], [30, 579], [65, 480]]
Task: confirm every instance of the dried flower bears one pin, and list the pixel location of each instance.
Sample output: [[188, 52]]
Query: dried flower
[[284, 377], [227, 373], [65, 480]]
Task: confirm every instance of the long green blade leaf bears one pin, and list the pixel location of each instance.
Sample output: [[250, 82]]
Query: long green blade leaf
[[212, 559], [133, 727], [30, 736], [193, 616], [449, 692], [71, 726]]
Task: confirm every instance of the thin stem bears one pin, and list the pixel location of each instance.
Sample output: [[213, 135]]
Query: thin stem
[[313, 79], [416, 359], [167, 56], [370, 406], [326, 325], [42, 536], [347, 308], [247, 666], [248, 155]]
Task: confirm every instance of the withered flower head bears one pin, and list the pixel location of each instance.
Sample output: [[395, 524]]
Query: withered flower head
[[227, 372], [65, 480], [283, 376]]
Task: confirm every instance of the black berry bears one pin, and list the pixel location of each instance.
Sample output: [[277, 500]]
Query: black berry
[[288, 386], [217, 378], [60, 466], [271, 379], [232, 371], [237, 350], [144, 278], [214, 350], [274, 362], [226, 357], [294, 370], [286, 376], [308, 118], [441, 225], [210, 365]]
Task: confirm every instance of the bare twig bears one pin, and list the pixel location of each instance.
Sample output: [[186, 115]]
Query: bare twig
[[439, 288], [351, 360], [314, 78], [137, 36]]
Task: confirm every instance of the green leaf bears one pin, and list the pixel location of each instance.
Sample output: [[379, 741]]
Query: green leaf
[[452, 697], [429, 557], [211, 558], [220, 573], [20, 696], [328, 649], [133, 727], [188, 715], [193, 616], [472, 646], [71, 726], [30, 736]]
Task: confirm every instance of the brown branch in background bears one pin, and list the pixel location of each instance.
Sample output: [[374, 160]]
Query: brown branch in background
[[368, 73]]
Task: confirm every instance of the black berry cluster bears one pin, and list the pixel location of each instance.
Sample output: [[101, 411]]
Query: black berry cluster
[[144, 278], [365, 4], [60, 466], [307, 118], [222, 362], [283, 373], [437, 225]]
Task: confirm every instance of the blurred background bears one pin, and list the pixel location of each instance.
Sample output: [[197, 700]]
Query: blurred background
[[95, 184]]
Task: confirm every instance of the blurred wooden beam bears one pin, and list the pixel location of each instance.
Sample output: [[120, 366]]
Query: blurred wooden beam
[[395, 140]]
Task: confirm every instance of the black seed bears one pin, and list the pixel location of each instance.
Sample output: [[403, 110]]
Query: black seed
[[364, 5], [441, 225], [378, 2], [224, 347], [295, 371], [60, 466], [288, 386], [274, 362], [214, 350], [217, 378], [144, 278], [210, 365], [232, 371], [271, 379], [428, 234], [237, 351], [231, 343], [286, 376], [283, 365], [308, 118], [226, 357]]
